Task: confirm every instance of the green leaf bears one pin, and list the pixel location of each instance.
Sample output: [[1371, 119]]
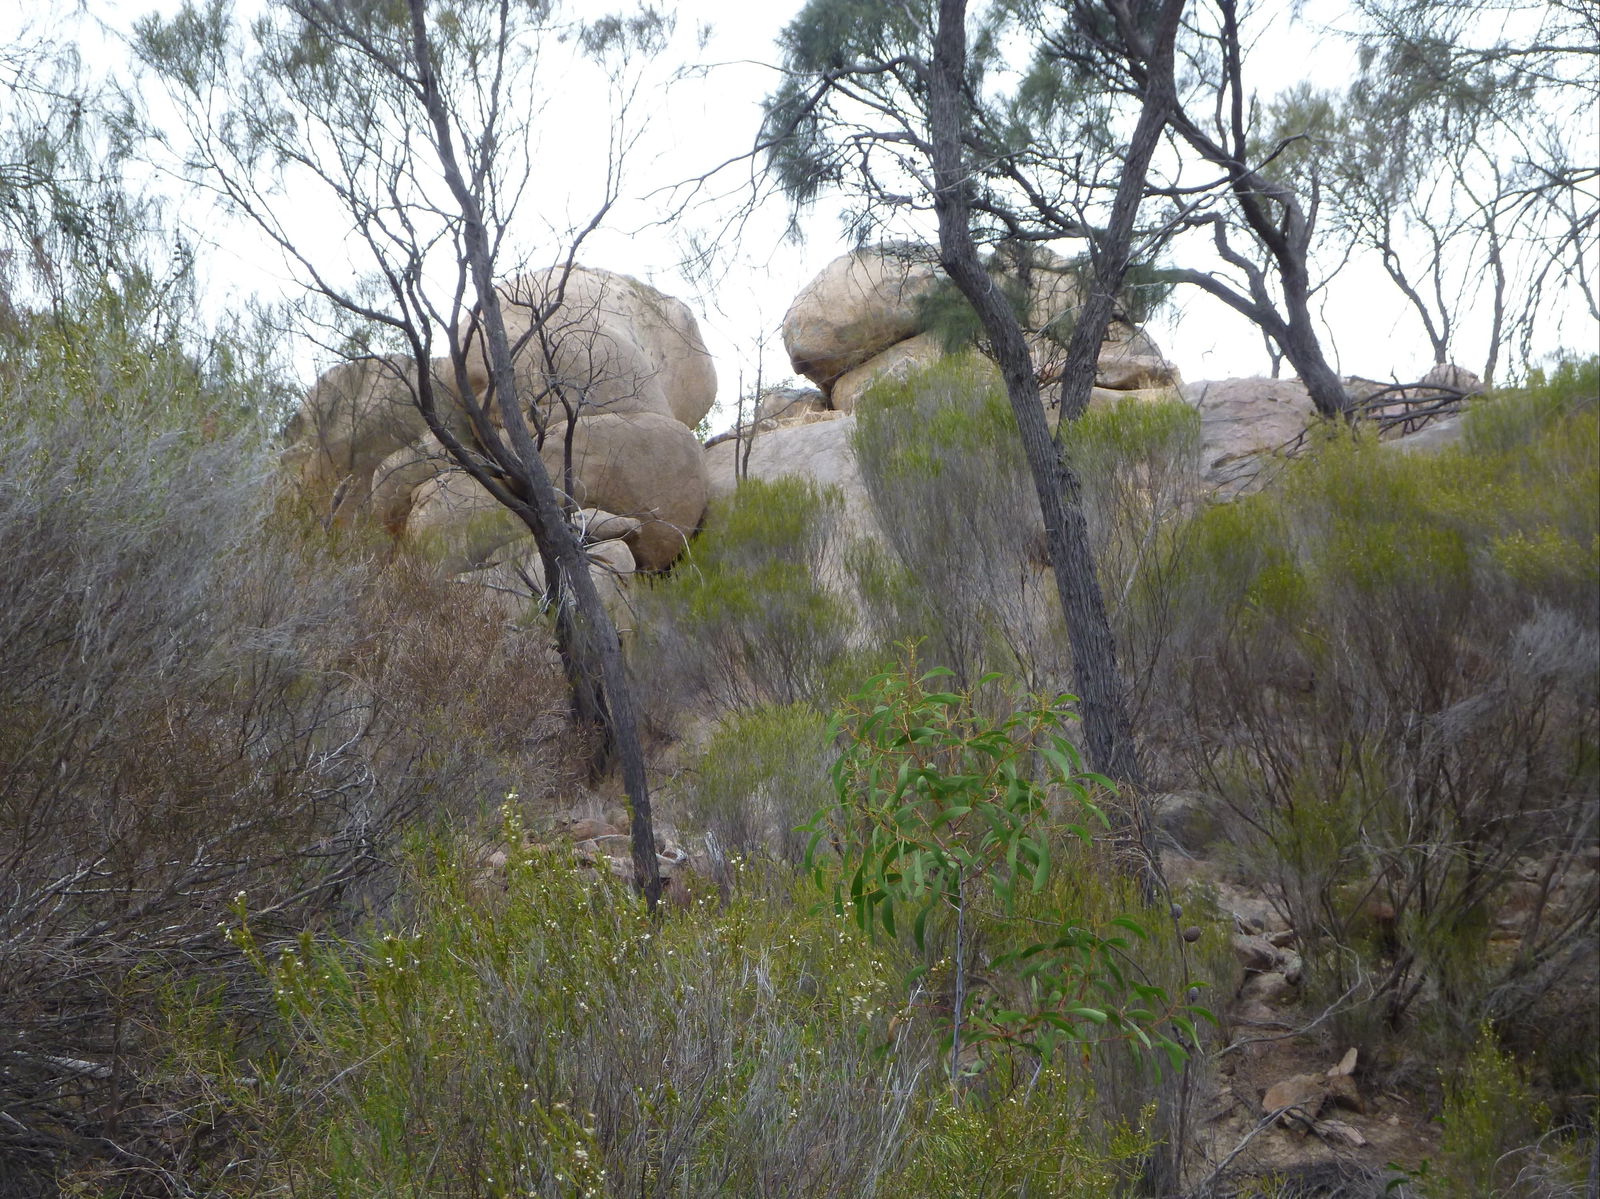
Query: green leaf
[[1132, 925]]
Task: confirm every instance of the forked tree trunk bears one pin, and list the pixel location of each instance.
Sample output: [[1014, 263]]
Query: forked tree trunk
[[1108, 732], [589, 642]]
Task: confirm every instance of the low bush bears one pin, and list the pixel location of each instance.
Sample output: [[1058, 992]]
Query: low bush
[[1386, 670], [537, 1032], [762, 776], [747, 618]]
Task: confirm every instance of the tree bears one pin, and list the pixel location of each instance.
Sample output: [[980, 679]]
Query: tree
[[1276, 218], [1458, 155], [893, 105], [415, 119]]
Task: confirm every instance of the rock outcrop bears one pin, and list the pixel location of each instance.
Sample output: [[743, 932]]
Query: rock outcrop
[[861, 321], [614, 370], [591, 341], [644, 465], [857, 307], [1243, 422], [355, 415]]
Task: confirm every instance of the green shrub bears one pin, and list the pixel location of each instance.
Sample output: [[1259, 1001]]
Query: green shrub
[[951, 492], [747, 618], [1385, 668], [1496, 1139], [535, 1031], [942, 813], [762, 776], [1138, 464]]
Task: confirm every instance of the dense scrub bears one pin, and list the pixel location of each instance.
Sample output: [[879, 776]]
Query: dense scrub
[[1380, 675], [535, 1032], [201, 695], [1384, 670]]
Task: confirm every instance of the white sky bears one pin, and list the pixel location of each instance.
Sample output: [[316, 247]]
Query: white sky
[[697, 123]]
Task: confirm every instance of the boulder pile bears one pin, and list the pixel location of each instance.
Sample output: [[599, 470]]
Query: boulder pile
[[614, 376], [861, 321]]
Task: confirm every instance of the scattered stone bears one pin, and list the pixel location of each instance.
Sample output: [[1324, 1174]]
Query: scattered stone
[[1257, 1014], [1342, 1092], [1255, 952], [1347, 1064], [1296, 1100], [1337, 1132], [587, 828], [1269, 987]]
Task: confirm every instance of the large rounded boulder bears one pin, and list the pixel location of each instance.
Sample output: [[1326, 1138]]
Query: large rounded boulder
[[589, 341], [355, 415], [642, 465], [859, 306]]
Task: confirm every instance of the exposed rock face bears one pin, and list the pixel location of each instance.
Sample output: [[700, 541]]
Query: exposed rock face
[[781, 403], [859, 320], [1130, 361], [397, 478], [895, 363], [517, 563], [818, 450], [1242, 421], [460, 521], [604, 343], [858, 306]]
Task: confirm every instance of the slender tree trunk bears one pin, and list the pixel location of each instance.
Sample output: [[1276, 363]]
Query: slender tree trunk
[[1303, 349], [588, 635], [1110, 256], [1108, 732]]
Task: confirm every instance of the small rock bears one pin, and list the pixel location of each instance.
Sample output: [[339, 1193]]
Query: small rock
[[1192, 933], [587, 829], [1298, 1099], [1256, 1013], [1254, 952], [1337, 1132], [1342, 1091], [1283, 938], [1347, 1064], [1269, 987]]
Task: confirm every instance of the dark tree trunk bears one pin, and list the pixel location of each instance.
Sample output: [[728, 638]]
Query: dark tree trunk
[[1110, 255], [589, 642], [1108, 733]]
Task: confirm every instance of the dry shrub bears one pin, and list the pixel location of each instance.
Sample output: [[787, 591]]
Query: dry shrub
[[1386, 672], [199, 697]]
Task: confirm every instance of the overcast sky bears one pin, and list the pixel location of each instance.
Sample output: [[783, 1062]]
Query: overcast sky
[[696, 123]]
